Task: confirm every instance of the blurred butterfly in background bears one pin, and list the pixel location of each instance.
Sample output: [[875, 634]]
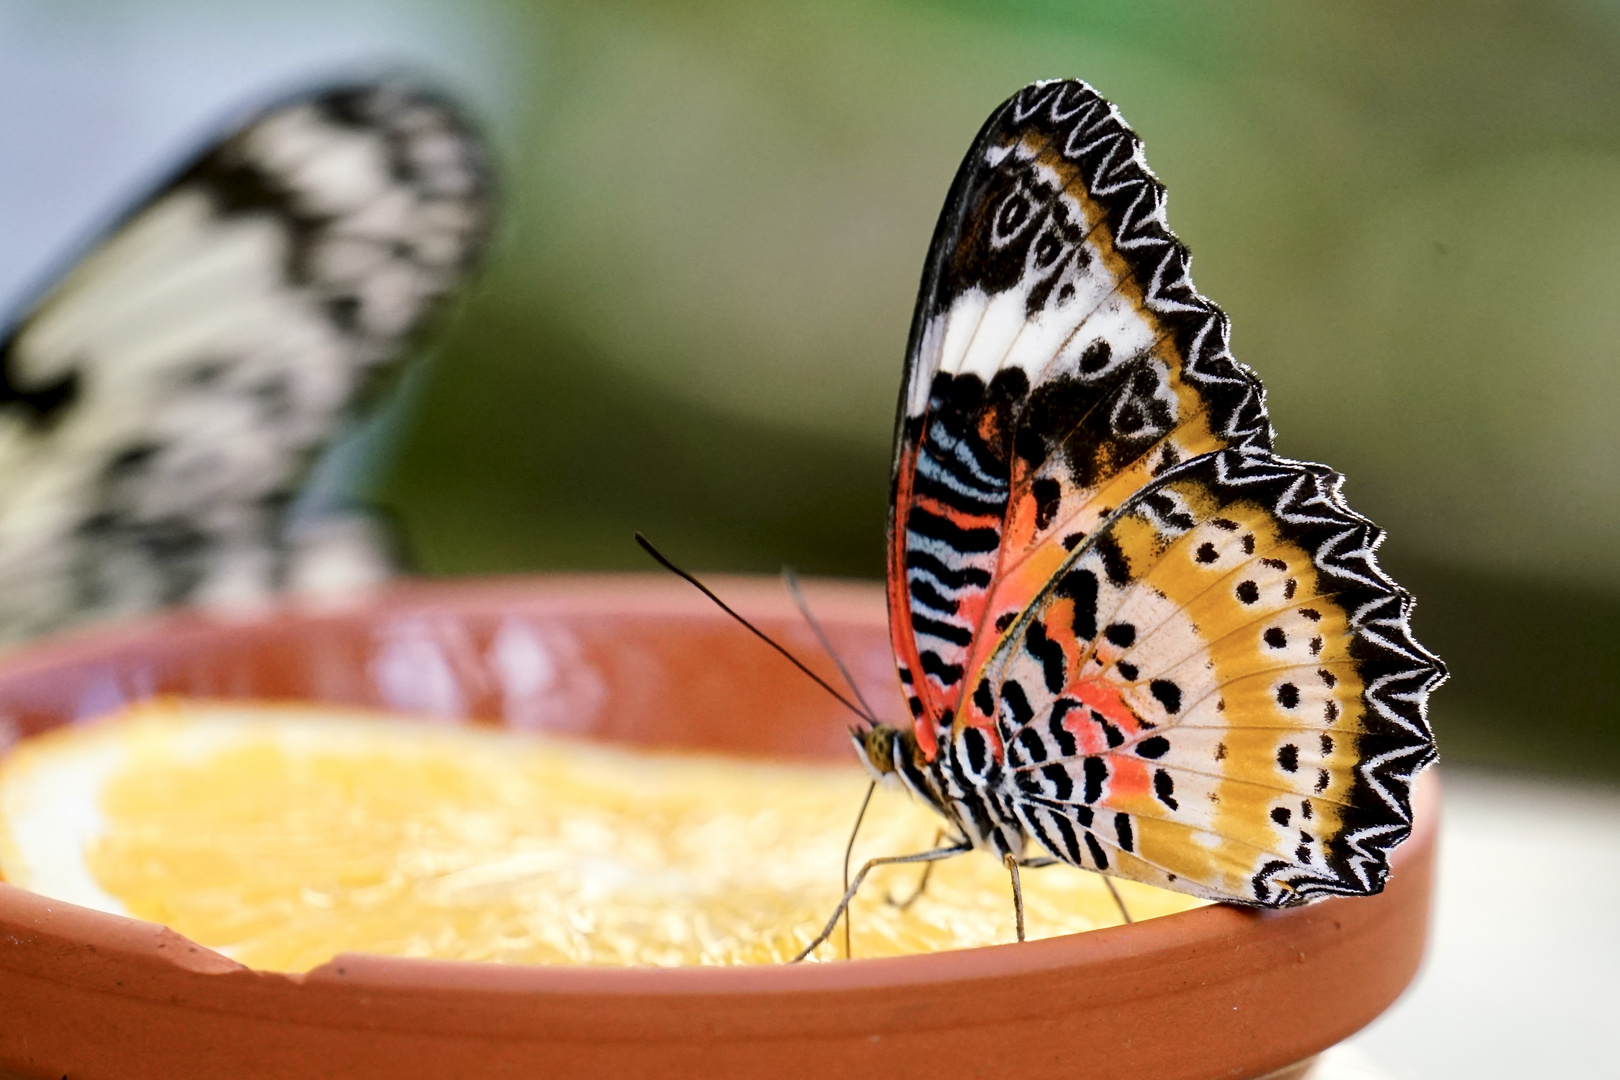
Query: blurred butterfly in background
[[1129, 633], [163, 402]]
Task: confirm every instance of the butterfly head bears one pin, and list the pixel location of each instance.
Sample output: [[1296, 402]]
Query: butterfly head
[[892, 755], [876, 745]]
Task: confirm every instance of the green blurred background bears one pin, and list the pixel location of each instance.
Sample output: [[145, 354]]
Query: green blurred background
[[716, 214]]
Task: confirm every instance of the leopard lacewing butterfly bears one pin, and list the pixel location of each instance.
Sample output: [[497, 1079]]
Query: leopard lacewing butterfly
[[1130, 633]]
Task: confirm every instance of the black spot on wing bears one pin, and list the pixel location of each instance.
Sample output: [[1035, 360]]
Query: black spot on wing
[[1099, 856], [1095, 357], [1048, 653], [1114, 736], [1122, 831], [1167, 693], [1095, 771], [1120, 634], [1155, 747], [1115, 564], [977, 749], [1067, 745], [1071, 840], [1080, 588], [1048, 495], [1062, 782], [1031, 746], [1018, 708], [1164, 788], [983, 699]]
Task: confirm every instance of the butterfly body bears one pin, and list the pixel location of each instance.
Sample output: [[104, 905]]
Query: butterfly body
[[1127, 630]]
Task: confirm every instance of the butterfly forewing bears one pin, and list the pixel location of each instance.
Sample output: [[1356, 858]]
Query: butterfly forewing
[[163, 402], [1060, 358], [1127, 629]]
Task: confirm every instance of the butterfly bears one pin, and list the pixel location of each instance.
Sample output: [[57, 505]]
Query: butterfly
[[163, 401], [1130, 634]]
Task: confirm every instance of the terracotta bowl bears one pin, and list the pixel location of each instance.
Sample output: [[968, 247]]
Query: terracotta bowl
[[1215, 992]]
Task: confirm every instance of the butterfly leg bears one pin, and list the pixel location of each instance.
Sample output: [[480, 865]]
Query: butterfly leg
[[1118, 901], [1011, 862], [849, 848], [855, 886], [922, 884]]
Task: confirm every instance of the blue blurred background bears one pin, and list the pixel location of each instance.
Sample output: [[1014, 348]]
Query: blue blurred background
[[715, 218]]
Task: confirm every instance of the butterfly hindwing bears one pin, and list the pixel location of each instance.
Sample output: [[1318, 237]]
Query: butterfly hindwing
[[160, 406], [1220, 689], [1059, 359]]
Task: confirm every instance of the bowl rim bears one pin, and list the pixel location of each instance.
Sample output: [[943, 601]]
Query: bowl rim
[[1177, 967], [634, 594]]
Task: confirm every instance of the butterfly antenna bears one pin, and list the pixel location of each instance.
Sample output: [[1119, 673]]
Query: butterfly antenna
[[792, 580], [646, 545]]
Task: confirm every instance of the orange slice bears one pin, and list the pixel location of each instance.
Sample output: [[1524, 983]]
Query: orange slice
[[282, 835]]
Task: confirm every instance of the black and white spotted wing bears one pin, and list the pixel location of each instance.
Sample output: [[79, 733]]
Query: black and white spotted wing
[[163, 401]]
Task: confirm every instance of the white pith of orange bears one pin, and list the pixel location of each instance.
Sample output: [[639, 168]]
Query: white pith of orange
[[282, 835]]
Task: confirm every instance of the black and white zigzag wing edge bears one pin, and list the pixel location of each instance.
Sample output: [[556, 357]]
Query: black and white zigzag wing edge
[[1092, 134], [1309, 496], [1380, 619]]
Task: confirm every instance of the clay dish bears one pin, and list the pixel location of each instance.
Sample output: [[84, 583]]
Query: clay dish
[[1214, 992]]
